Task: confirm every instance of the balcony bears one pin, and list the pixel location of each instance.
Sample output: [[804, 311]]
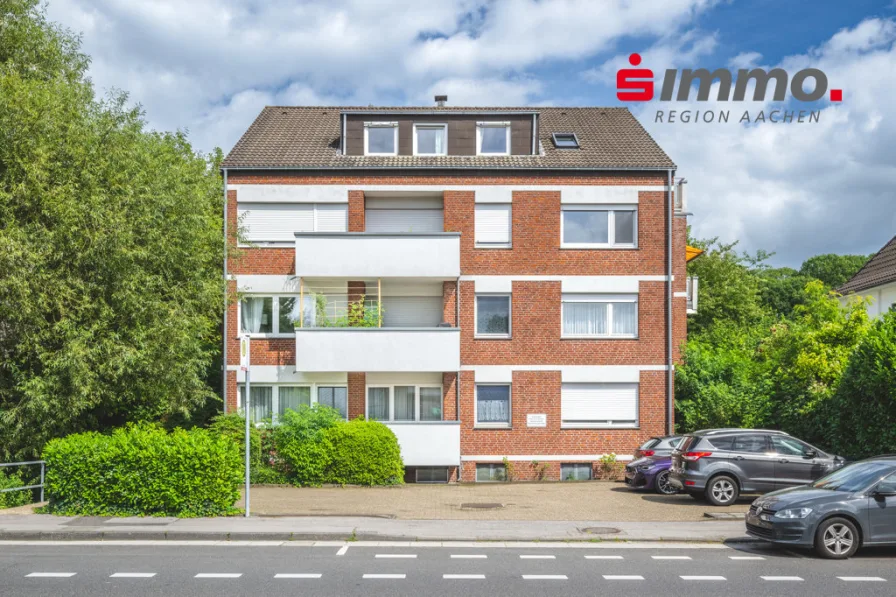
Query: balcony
[[374, 349], [428, 444], [383, 255], [692, 285]]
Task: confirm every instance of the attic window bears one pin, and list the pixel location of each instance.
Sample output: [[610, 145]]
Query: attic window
[[566, 140]]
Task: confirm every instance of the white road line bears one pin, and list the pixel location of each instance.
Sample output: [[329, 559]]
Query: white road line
[[781, 578], [469, 556], [397, 556], [132, 575], [745, 558], [671, 557], [342, 550], [622, 577], [702, 578], [603, 557], [545, 577], [50, 575], [297, 575], [862, 578], [537, 557], [463, 576], [219, 575], [385, 576]]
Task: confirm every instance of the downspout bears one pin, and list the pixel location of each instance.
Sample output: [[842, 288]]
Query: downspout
[[670, 385], [457, 380], [224, 335]]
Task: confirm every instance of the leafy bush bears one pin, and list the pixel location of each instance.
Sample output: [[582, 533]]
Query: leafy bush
[[302, 445], [11, 499], [141, 469], [233, 426], [363, 453]]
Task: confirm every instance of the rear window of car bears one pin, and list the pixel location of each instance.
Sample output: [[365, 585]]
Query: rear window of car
[[687, 441], [650, 443], [675, 441], [719, 443]]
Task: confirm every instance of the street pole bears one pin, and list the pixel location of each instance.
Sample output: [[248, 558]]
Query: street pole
[[244, 365]]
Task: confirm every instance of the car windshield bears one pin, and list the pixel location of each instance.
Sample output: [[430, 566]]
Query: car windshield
[[854, 477]]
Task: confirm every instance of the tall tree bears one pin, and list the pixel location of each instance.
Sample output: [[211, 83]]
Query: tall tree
[[834, 270], [110, 249]]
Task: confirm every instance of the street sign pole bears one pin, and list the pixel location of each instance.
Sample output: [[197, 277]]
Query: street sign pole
[[244, 366]]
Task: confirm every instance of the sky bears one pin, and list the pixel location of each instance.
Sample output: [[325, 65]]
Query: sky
[[208, 68]]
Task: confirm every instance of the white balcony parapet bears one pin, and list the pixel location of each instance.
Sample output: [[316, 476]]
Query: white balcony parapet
[[377, 349], [428, 444], [386, 255], [693, 283]]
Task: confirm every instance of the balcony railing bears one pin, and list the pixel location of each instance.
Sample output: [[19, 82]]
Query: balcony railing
[[692, 285]]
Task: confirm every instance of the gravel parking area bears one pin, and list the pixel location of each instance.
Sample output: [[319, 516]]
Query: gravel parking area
[[595, 500]]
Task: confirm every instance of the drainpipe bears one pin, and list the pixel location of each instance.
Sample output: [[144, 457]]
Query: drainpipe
[[224, 335], [670, 409], [457, 380]]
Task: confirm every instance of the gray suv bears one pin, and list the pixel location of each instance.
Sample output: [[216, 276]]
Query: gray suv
[[720, 464]]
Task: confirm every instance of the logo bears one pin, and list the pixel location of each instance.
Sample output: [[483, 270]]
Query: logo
[[806, 85]]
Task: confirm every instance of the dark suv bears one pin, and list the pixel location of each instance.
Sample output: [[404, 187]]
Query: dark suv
[[720, 464]]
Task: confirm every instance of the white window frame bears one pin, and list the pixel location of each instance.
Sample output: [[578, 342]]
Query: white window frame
[[275, 395], [433, 125], [611, 224], [275, 315], [391, 397], [481, 245], [495, 124], [491, 465], [608, 424], [590, 466], [317, 386], [493, 425], [484, 336], [609, 299], [369, 125]]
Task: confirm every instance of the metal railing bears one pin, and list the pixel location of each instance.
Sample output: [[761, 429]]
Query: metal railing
[[43, 469]]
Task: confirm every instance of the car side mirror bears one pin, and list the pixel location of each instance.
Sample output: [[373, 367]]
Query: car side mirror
[[810, 454], [883, 493]]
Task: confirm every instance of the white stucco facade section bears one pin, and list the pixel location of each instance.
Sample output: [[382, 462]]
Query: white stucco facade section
[[287, 374], [289, 193], [378, 349], [363, 255], [568, 373], [267, 284], [428, 444], [882, 298]]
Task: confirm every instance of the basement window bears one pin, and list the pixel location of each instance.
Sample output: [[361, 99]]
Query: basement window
[[565, 140]]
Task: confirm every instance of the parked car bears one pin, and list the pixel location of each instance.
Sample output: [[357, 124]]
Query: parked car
[[658, 446], [720, 464], [650, 473], [851, 507]]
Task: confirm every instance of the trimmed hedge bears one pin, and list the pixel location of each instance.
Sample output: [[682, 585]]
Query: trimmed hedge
[[142, 470], [302, 445], [363, 453]]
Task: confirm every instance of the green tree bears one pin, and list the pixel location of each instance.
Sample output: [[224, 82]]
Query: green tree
[[834, 270], [110, 250], [782, 289]]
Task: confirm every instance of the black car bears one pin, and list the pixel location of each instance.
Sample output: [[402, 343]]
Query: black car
[[720, 464], [851, 507]]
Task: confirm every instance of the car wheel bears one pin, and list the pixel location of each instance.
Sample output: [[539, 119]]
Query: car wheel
[[722, 491], [837, 539], [662, 485]]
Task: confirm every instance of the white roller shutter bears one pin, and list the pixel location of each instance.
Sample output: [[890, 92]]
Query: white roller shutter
[[493, 224], [404, 220], [331, 217], [273, 222], [599, 404], [412, 311]]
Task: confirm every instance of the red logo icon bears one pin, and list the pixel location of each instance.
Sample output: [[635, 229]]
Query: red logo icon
[[634, 84]]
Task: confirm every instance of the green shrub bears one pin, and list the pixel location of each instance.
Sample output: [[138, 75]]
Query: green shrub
[[11, 499], [141, 469], [301, 445], [233, 426], [363, 453]]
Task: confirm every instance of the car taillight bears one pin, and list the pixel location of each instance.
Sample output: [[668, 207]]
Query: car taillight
[[695, 456], [648, 452]]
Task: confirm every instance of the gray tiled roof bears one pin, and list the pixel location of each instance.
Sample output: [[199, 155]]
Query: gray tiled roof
[[308, 138], [880, 270]]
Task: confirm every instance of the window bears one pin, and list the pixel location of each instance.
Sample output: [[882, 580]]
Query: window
[[599, 405], [493, 405], [756, 444], [719, 443], [493, 224], [888, 485], [590, 227], [493, 316], [565, 141], [292, 397], [789, 446], [334, 397], [400, 403], [273, 315], [380, 138], [269, 402], [490, 473], [599, 316], [430, 139], [261, 403], [431, 474], [493, 138], [575, 472], [278, 222]]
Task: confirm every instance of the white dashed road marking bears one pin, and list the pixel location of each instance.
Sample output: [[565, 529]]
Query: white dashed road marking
[[397, 556], [537, 557], [622, 577], [862, 578], [463, 576], [297, 575], [342, 550], [545, 577], [219, 575], [782, 578], [745, 558], [671, 557], [702, 577], [603, 557], [469, 556], [132, 575], [385, 576], [50, 575]]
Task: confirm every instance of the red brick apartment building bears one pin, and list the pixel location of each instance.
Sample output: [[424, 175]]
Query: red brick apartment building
[[491, 283]]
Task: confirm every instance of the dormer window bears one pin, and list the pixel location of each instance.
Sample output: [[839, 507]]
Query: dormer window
[[430, 139], [493, 138], [380, 138], [566, 141]]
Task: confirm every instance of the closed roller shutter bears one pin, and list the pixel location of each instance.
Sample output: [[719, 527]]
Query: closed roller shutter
[[404, 220], [331, 217], [269, 222], [599, 404], [493, 224], [412, 311]]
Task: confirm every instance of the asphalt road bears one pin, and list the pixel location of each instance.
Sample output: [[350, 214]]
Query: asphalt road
[[386, 569]]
